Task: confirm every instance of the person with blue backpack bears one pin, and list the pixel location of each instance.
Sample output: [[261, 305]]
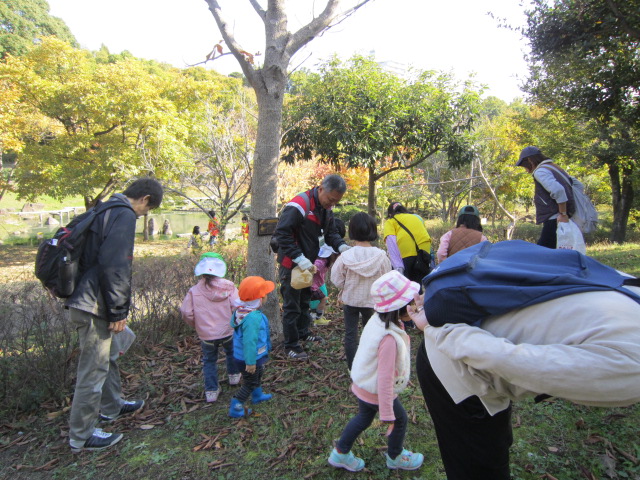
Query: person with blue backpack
[[512, 320]]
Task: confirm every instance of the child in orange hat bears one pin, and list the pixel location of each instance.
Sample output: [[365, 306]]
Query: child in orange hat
[[251, 343]]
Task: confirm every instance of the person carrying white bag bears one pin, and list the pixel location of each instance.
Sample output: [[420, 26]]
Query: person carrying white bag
[[569, 237]]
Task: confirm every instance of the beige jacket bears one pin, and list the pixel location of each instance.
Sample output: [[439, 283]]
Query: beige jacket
[[355, 271], [584, 348]]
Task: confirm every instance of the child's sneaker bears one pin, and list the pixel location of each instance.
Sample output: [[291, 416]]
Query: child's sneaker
[[321, 320], [211, 395], [348, 461], [234, 378], [405, 461]]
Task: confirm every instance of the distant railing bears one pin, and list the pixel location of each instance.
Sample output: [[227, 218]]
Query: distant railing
[[44, 214]]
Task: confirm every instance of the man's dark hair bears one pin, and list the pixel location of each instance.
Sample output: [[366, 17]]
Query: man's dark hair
[[143, 187], [396, 207], [470, 221], [334, 183], [340, 227], [363, 228]]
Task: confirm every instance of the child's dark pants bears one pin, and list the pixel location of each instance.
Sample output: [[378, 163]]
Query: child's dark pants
[[366, 414]]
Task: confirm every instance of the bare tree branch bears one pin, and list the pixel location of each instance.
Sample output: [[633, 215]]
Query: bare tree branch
[[259, 10], [323, 21], [234, 46]]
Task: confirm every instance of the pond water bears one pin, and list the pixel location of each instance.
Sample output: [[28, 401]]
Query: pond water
[[180, 222]]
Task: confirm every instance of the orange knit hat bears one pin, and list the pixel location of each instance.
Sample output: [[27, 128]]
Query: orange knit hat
[[253, 288]]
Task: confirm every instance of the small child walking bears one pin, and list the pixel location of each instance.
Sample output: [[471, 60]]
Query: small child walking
[[380, 372], [208, 307], [326, 257], [251, 343], [353, 273]]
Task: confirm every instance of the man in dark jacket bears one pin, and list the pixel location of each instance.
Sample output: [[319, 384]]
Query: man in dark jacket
[[99, 307], [305, 219]]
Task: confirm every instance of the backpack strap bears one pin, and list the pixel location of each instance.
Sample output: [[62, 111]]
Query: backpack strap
[[410, 234], [564, 174]]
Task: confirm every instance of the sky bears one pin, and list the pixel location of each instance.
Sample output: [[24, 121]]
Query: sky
[[457, 36]]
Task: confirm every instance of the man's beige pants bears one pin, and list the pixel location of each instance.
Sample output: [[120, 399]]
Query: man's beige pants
[[98, 388]]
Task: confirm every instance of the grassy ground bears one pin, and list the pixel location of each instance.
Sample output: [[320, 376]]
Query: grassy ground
[[179, 436]]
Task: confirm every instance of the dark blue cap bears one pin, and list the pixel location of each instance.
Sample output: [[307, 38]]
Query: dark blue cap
[[527, 152]]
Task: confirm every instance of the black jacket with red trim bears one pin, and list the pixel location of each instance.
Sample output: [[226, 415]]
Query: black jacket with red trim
[[298, 234]]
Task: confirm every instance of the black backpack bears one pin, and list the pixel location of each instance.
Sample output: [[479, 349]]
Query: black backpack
[[57, 258]]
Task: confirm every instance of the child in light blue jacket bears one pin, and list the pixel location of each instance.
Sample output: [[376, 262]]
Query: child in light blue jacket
[[251, 343]]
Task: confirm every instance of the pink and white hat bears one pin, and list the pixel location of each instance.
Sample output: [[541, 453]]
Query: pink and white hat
[[392, 291]]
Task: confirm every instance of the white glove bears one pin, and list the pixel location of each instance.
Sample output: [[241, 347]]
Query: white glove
[[343, 248], [399, 269], [303, 262]]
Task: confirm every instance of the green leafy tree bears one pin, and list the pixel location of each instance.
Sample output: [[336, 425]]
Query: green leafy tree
[[23, 22], [108, 121], [584, 61], [356, 114]]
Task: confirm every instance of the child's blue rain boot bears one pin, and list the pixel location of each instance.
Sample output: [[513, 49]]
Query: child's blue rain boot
[[237, 410], [258, 396]]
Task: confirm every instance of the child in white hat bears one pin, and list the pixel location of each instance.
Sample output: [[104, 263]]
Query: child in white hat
[[380, 372], [326, 257], [208, 307]]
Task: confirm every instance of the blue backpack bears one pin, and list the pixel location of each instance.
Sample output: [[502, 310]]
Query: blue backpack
[[495, 278]]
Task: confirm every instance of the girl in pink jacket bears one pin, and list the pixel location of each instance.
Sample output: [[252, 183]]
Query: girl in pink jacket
[[208, 307]]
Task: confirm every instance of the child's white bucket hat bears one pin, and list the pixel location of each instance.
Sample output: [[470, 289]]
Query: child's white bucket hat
[[211, 264]]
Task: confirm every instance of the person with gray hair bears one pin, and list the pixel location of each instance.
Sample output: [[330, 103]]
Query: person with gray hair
[[303, 220]]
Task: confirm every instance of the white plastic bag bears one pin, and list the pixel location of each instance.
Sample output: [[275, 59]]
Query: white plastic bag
[[123, 340], [570, 237]]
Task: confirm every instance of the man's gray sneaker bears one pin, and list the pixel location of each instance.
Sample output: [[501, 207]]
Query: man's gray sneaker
[[127, 407], [297, 354], [314, 338], [98, 441]]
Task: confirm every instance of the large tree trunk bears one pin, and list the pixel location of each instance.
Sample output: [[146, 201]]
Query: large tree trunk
[[622, 199], [264, 193], [269, 84]]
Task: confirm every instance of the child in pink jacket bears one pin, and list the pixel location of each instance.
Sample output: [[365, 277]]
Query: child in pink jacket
[[208, 307]]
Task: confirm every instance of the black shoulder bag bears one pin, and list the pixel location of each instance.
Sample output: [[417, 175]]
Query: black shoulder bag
[[422, 265]]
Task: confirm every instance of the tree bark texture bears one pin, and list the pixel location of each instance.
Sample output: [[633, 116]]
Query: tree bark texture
[[622, 198]]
